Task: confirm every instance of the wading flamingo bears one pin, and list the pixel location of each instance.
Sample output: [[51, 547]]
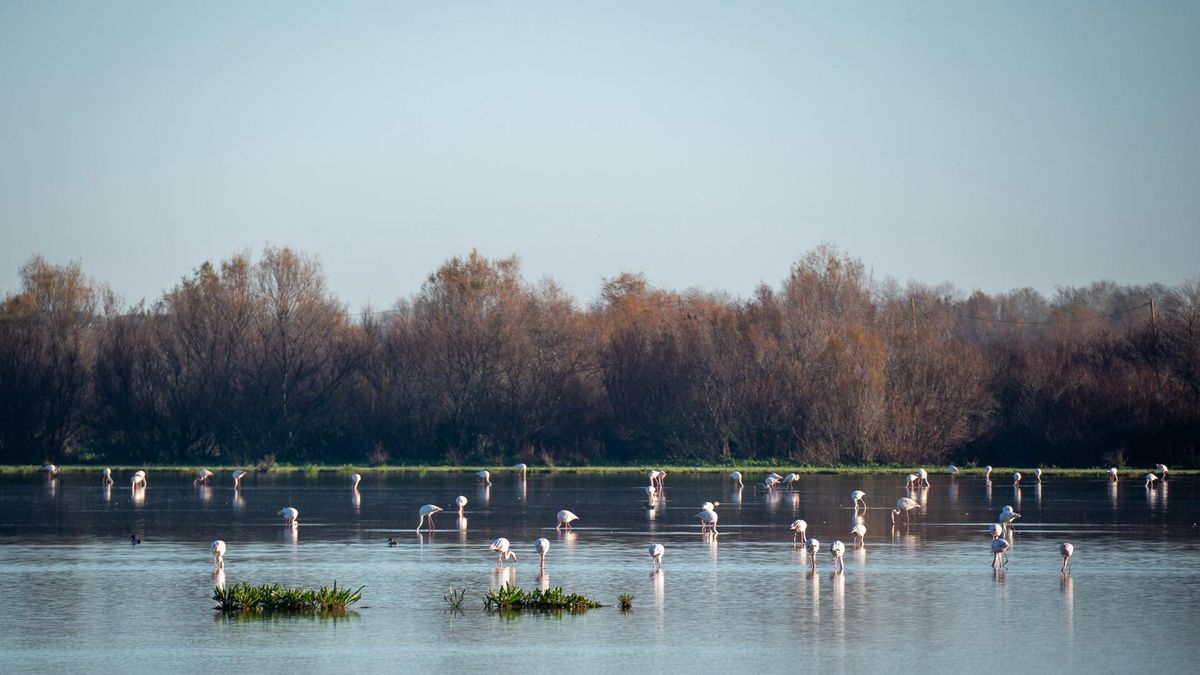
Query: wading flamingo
[[1150, 478], [291, 517], [1112, 473], [656, 553], [355, 479], [542, 546], [860, 535], [483, 477], [501, 547], [708, 521], [997, 530], [237, 478], [856, 498], [953, 470], [461, 502], [218, 552], [837, 548], [924, 476], [799, 530], [1037, 474], [1007, 516], [1161, 468], [999, 553], [987, 472], [564, 519], [1016, 478], [814, 547], [106, 476], [138, 480], [50, 470], [911, 480], [520, 468], [904, 505], [736, 477], [427, 512], [1066, 550], [789, 481], [202, 477]]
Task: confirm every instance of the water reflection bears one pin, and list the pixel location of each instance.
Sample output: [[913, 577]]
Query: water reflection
[[483, 493], [952, 492], [735, 496], [291, 534], [922, 498], [219, 578], [108, 492], [543, 580], [1112, 494], [987, 491], [138, 496], [794, 500], [1163, 493], [205, 493], [1151, 497], [1068, 591], [356, 502], [239, 502], [501, 576], [1017, 497], [1037, 494]]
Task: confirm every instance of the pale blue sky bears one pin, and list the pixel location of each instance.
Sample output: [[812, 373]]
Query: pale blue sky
[[992, 145]]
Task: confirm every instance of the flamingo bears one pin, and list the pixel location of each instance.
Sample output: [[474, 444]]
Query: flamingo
[[427, 512], [997, 530], [290, 516], [650, 493], [860, 535], [1150, 478], [202, 477], [924, 476], [564, 518], [501, 547], [483, 477], [542, 546], [355, 479], [837, 548], [1007, 516], [1112, 473], [799, 530], [770, 482], [237, 479], [953, 470], [138, 480], [1037, 474], [987, 472], [790, 480], [218, 552], [1066, 550], [653, 476], [911, 480], [1016, 478], [999, 553], [856, 498], [520, 468], [736, 477], [710, 506], [461, 502], [708, 520], [904, 505], [662, 477], [656, 553], [1161, 468], [814, 547], [106, 476], [50, 470]]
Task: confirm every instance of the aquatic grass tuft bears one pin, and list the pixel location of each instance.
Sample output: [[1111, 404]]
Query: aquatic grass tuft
[[273, 598], [454, 598], [625, 602], [509, 598]]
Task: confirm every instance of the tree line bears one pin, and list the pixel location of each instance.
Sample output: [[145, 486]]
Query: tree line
[[255, 357]]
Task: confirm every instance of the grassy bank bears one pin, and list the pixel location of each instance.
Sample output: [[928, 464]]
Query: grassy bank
[[752, 471]]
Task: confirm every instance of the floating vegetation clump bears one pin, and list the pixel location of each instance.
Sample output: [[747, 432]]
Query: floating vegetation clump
[[273, 598], [513, 598], [625, 602]]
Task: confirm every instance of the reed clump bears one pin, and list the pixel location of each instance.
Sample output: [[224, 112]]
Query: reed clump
[[455, 598], [511, 598], [273, 598], [625, 602]]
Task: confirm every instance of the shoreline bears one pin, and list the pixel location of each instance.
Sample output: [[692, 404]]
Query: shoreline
[[999, 473]]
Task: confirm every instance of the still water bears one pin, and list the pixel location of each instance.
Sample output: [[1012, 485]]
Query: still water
[[79, 597]]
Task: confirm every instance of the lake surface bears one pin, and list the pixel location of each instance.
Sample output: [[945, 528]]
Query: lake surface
[[79, 597]]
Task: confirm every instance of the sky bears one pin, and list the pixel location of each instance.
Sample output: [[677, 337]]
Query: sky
[[992, 145]]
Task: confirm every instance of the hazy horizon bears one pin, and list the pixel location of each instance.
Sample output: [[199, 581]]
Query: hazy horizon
[[705, 145]]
